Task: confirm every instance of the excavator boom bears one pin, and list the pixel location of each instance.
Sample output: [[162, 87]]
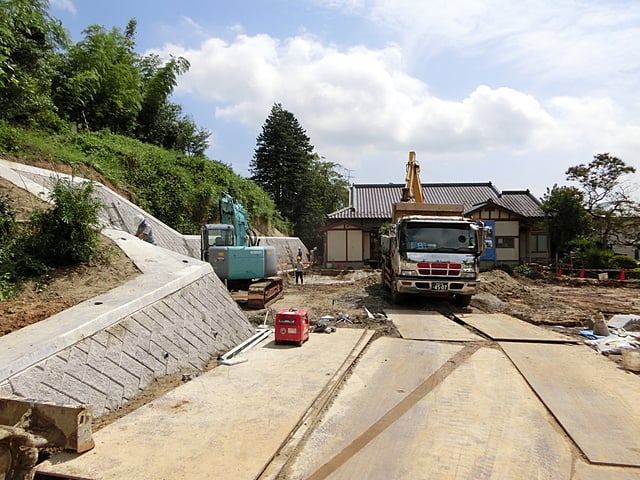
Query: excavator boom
[[412, 191]]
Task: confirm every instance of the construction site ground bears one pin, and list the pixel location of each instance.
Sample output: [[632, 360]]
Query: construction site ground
[[422, 390], [329, 408], [430, 392]]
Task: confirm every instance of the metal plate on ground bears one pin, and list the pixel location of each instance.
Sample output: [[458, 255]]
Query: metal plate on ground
[[499, 326], [482, 421], [597, 403], [586, 471], [226, 423], [429, 325]]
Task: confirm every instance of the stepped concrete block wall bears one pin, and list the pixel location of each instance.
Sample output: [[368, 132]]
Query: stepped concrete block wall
[[176, 315], [104, 351]]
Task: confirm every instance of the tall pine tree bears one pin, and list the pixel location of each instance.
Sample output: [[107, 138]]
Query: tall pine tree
[[281, 162], [303, 187]]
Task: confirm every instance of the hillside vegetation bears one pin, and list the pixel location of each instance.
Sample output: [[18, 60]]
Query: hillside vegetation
[[181, 191]]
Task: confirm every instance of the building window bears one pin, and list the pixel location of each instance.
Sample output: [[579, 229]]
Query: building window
[[539, 243], [505, 242]]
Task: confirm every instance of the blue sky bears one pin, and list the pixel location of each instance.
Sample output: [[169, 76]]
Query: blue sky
[[502, 91]]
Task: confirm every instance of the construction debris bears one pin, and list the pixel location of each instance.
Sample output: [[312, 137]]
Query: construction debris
[[63, 426], [627, 321]]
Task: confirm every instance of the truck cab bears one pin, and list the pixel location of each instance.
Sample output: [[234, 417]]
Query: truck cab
[[433, 256]]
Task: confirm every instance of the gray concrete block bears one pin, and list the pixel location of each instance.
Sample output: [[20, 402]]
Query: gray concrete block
[[77, 358], [97, 352], [120, 376], [100, 337], [54, 369], [74, 388], [97, 380], [134, 367], [164, 323], [28, 384], [179, 353], [6, 390], [114, 343], [114, 401]]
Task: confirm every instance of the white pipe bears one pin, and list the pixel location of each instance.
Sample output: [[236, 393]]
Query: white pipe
[[239, 348], [265, 334]]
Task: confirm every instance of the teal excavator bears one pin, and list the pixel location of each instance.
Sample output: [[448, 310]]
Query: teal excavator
[[233, 249]]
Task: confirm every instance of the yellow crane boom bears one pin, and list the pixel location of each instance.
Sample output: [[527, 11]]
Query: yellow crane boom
[[412, 191]]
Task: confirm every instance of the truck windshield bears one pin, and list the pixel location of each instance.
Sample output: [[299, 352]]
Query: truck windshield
[[437, 237]]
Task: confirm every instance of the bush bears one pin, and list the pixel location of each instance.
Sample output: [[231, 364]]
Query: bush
[[7, 219], [586, 253], [10, 138], [68, 233], [623, 261], [525, 270], [7, 287]]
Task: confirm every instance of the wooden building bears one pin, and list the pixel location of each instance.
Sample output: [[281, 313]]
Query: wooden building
[[351, 236]]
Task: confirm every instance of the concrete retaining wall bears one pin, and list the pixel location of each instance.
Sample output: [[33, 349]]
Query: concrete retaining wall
[[105, 350], [176, 315], [114, 364]]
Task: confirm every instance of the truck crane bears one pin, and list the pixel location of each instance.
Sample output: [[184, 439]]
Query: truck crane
[[234, 251], [431, 249]]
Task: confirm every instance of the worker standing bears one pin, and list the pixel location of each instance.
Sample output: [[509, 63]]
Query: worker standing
[[144, 230], [299, 273]]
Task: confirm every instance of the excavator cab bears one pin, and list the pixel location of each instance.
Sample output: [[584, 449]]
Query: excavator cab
[[218, 235]]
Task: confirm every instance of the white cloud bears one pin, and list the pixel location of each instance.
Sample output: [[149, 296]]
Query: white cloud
[[361, 105], [551, 39], [194, 27], [66, 5], [357, 98]]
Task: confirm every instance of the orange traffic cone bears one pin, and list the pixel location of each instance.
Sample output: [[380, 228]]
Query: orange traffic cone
[[581, 274], [622, 276]]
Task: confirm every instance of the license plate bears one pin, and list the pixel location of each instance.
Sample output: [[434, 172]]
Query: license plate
[[439, 286]]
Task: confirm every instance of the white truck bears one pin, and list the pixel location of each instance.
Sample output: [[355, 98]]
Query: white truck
[[431, 249]]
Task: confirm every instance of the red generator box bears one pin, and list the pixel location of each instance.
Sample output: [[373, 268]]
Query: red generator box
[[292, 326]]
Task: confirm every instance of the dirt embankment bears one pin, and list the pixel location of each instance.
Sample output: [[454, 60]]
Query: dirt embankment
[[569, 302], [43, 297]]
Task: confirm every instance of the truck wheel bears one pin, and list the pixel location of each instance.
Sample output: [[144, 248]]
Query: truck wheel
[[396, 297], [462, 300]]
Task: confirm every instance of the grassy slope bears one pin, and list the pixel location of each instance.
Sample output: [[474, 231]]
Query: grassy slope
[[181, 191]]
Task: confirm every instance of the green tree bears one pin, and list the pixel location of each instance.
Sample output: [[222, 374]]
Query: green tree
[[161, 122], [282, 161], [303, 187], [566, 217], [99, 81], [327, 191], [607, 193], [29, 40]]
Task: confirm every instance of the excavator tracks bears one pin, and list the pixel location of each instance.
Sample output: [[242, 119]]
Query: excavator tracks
[[264, 293]]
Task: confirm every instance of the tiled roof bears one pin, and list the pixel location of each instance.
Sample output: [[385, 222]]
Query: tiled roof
[[520, 202], [375, 200]]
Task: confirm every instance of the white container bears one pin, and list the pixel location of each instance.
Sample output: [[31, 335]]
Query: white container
[[631, 360]]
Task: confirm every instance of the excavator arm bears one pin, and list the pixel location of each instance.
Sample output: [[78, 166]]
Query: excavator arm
[[412, 191], [232, 213]]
